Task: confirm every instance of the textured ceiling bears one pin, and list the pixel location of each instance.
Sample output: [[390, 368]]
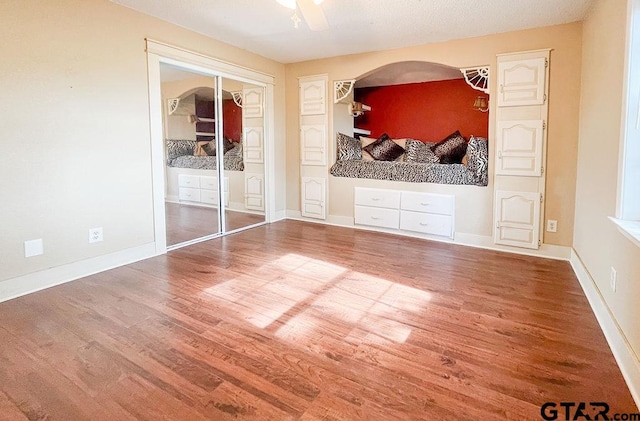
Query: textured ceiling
[[264, 26]]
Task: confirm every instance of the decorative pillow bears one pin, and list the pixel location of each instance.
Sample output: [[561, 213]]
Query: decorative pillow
[[227, 144], [418, 151], [478, 159], [236, 150], [451, 149], [208, 148], [348, 148], [176, 148], [199, 150], [366, 141], [384, 149]]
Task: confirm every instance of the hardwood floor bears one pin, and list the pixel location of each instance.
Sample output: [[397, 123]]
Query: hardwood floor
[[313, 322], [186, 222]]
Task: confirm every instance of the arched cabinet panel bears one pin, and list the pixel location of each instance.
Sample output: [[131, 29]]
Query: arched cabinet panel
[[517, 219], [519, 147], [521, 82]]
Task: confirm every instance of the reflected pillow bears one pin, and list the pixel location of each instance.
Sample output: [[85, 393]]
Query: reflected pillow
[[210, 148]]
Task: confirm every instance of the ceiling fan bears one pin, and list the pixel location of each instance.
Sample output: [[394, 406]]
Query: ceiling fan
[[311, 11]]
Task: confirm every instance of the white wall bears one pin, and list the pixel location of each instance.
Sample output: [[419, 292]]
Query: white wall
[[75, 132]]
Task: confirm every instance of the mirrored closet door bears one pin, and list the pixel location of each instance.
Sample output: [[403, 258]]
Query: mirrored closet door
[[243, 128], [213, 130]]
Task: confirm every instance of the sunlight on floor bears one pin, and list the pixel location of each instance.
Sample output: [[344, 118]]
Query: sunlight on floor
[[298, 294]]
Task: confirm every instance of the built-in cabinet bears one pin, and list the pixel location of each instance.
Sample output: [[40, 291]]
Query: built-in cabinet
[[201, 190], [253, 147], [521, 115], [314, 130], [315, 190], [425, 213]]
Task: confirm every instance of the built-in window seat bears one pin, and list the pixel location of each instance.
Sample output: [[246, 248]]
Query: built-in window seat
[[416, 166]]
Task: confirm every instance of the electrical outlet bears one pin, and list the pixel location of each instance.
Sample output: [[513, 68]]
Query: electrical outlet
[[33, 248], [95, 235], [614, 279], [552, 225]]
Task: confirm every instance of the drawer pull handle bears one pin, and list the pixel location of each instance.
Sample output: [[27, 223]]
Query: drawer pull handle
[[375, 218], [424, 224], [375, 199], [425, 204]]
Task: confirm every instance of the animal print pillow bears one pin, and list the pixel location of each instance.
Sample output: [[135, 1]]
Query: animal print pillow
[[451, 149], [384, 149], [418, 151], [176, 148], [348, 148]]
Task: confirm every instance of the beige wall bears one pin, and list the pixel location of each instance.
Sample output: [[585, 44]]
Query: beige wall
[[474, 205], [75, 132], [597, 242]]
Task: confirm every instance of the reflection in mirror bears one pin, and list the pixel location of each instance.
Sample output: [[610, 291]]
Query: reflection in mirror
[[191, 186], [243, 142]]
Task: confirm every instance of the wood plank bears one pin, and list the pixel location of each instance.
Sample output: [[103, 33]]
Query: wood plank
[[306, 321]]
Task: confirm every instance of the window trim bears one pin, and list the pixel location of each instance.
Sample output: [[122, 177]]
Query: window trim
[[627, 218]]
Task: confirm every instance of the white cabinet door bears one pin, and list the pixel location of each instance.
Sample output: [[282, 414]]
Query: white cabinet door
[[313, 139], [517, 219], [253, 147], [254, 191], [521, 82], [313, 97], [519, 148], [313, 197], [252, 102]]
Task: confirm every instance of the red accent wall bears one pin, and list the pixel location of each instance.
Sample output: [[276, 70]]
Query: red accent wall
[[427, 111], [232, 115]]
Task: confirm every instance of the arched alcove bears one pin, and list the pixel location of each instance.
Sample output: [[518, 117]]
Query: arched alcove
[[421, 100]]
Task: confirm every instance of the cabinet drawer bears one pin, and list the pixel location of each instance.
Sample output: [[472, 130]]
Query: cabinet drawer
[[377, 217], [428, 202], [427, 223], [209, 183], [189, 194], [209, 197], [187, 180], [378, 198]]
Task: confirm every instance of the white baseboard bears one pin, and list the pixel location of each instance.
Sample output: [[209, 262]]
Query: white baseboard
[[620, 347], [548, 251], [279, 216], [26, 284]]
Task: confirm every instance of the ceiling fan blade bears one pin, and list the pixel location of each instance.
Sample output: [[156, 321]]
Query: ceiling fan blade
[[313, 15]]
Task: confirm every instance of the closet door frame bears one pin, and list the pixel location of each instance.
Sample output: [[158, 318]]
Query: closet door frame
[[158, 53]]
